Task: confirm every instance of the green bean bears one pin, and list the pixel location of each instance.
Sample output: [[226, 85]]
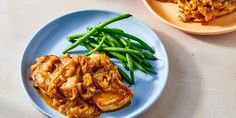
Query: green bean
[[76, 36], [94, 40], [97, 34], [138, 45], [117, 38], [124, 64], [139, 67], [135, 57], [142, 61], [131, 68], [111, 43], [90, 39], [126, 77], [91, 32], [116, 49], [97, 48], [79, 41], [89, 28], [123, 41], [113, 40], [146, 63], [150, 69], [107, 43], [97, 40], [146, 55], [130, 63], [117, 29], [139, 59], [149, 56], [87, 46], [72, 40], [133, 47], [120, 56], [72, 37], [128, 36], [94, 45]]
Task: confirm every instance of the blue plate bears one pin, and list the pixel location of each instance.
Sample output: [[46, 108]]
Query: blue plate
[[51, 39]]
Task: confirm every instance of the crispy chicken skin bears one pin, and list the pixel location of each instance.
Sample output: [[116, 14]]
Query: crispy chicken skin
[[80, 86]]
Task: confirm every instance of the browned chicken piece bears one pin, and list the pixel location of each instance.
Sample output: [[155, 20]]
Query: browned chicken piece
[[80, 86], [114, 97]]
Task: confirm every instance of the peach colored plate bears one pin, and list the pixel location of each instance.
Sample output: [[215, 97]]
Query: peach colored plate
[[167, 12]]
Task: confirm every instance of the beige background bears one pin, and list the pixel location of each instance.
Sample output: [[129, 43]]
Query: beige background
[[202, 79]]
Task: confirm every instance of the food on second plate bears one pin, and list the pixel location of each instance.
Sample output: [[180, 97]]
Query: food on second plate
[[80, 86], [130, 50], [204, 10]]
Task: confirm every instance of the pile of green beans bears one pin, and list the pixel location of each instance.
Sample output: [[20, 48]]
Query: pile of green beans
[[116, 43]]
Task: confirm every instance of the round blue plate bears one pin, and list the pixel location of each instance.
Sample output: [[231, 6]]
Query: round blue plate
[[51, 39]]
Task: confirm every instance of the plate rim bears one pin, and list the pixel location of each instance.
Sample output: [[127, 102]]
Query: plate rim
[[147, 4], [40, 29]]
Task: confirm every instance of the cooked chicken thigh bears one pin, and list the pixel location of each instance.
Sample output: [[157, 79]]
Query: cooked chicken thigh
[[80, 86]]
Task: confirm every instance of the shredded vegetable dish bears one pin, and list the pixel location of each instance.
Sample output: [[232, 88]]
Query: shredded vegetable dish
[[204, 10]]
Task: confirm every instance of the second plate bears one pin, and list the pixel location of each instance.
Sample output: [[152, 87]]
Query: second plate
[[167, 12]]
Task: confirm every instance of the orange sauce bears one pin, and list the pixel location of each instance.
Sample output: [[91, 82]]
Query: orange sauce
[[47, 100]]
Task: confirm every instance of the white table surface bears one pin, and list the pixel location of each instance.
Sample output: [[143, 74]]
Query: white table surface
[[202, 79]]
